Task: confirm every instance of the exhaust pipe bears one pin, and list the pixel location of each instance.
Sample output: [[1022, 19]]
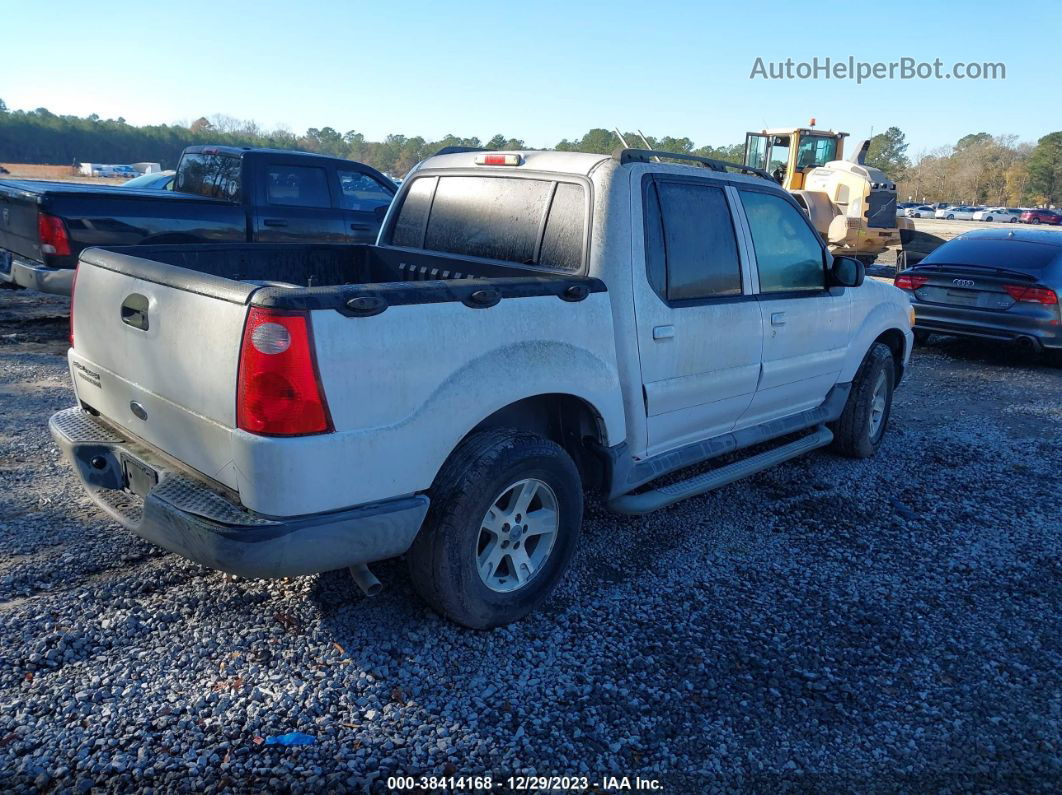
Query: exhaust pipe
[[1029, 344], [365, 579]]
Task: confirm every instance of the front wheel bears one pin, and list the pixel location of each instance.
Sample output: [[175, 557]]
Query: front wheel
[[859, 430], [1036, 221], [503, 524], [951, 217]]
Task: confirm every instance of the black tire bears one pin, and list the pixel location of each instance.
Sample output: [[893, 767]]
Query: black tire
[[1035, 221], [443, 558], [921, 337], [852, 434], [951, 218]]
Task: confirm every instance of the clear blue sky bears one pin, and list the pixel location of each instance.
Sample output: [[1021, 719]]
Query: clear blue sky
[[548, 71]]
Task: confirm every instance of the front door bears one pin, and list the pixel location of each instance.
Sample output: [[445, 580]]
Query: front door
[[698, 322], [805, 324], [296, 205], [364, 200]]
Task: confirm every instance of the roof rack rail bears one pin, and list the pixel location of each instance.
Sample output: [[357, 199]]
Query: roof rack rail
[[456, 150], [644, 155]]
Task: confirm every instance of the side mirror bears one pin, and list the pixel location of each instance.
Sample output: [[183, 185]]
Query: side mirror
[[847, 272]]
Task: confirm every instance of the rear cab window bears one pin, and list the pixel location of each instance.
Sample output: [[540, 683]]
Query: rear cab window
[[212, 174], [532, 221]]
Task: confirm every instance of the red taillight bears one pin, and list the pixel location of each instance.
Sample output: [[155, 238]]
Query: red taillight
[[278, 392], [73, 286], [52, 234], [1036, 295], [910, 281]]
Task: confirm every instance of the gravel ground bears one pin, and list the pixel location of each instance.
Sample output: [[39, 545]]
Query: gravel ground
[[891, 624]]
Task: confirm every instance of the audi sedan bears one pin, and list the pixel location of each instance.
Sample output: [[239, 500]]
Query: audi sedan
[[995, 284]]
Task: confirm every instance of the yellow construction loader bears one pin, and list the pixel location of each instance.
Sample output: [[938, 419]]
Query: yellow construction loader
[[853, 205]]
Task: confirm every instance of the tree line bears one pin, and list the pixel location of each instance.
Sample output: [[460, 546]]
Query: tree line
[[979, 169], [39, 136]]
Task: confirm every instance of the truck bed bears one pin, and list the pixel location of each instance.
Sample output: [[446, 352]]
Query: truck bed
[[328, 276]]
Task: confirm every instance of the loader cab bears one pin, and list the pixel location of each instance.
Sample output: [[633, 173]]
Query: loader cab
[[788, 155]]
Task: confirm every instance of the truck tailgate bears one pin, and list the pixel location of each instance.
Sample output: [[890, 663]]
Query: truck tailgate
[[18, 221], [161, 360]]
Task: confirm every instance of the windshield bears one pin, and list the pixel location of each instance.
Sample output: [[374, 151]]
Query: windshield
[[1015, 255], [816, 150]]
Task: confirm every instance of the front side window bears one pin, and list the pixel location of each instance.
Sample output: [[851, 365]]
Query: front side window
[[756, 151], [297, 186], [361, 193], [691, 245], [788, 251]]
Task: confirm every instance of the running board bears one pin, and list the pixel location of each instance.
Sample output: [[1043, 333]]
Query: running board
[[666, 495]]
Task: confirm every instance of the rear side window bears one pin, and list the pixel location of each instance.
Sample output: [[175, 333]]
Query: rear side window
[[297, 186], [215, 176], [691, 244], [522, 221]]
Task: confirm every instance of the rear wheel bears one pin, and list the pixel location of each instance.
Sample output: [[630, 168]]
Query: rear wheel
[[859, 430], [951, 217], [921, 337], [1036, 221], [502, 527]]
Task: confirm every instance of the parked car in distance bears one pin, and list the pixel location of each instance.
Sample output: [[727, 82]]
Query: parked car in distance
[[529, 325], [220, 194], [1037, 217], [990, 283], [998, 214], [159, 180], [960, 212], [921, 211]]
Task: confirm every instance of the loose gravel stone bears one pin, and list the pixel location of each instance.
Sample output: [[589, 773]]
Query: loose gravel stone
[[829, 624]]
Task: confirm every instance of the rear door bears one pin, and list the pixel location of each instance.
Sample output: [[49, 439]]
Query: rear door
[[698, 323], [297, 203], [805, 324], [364, 199]]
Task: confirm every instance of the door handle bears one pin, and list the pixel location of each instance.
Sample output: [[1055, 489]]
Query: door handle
[[360, 227], [275, 222], [663, 332], [777, 318]]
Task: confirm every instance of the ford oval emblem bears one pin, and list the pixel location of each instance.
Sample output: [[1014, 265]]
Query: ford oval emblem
[[138, 411], [963, 282]]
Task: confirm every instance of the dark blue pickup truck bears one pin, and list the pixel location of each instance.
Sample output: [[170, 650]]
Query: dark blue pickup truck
[[221, 194]]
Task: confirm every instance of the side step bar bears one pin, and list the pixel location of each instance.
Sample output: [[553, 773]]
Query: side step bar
[[700, 484]]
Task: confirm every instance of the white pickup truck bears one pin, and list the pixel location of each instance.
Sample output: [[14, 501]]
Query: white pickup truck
[[529, 325]]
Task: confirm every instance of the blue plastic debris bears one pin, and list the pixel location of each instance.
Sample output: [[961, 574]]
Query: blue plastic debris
[[292, 738]]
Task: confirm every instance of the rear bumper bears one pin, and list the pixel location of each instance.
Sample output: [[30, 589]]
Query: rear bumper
[[40, 277], [184, 514], [1042, 325]]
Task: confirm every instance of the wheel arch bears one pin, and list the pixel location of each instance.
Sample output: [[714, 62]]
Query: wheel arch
[[897, 343], [569, 420]]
